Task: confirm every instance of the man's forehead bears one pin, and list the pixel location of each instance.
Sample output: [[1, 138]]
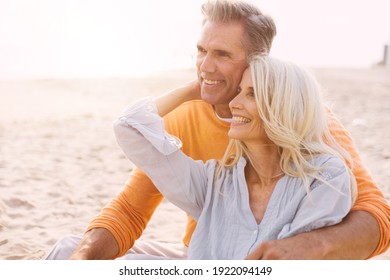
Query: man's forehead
[[221, 36], [218, 45]]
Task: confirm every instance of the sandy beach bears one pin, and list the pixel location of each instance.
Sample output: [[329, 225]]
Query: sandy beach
[[60, 164]]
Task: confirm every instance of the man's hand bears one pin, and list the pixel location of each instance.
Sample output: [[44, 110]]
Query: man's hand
[[356, 237], [97, 244], [293, 248]]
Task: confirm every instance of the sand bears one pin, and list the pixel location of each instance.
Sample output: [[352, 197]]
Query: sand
[[60, 164]]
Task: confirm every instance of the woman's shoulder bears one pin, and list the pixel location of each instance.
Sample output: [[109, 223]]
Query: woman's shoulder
[[330, 165], [327, 160]]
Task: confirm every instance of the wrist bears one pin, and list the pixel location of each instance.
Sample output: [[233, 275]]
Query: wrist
[[97, 244]]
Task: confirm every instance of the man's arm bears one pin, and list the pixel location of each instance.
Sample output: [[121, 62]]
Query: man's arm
[[97, 244], [356, 237], [364, 233], [370, 200], [123, 220]]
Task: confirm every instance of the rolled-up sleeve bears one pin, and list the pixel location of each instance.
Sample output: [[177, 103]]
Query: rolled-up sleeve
[[140, 134]]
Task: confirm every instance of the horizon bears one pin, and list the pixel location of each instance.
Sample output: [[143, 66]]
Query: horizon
[[50, 39]]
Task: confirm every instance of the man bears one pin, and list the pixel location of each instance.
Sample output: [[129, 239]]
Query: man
[[231, 32]]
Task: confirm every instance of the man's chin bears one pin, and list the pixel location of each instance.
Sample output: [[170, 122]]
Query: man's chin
[[210, 98]]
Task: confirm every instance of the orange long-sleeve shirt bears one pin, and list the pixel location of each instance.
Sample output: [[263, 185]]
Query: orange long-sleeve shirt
[[204, 137]]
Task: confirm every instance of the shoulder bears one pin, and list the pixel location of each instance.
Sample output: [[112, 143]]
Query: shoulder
[[196, 115], [330, 166], [337, 129], [327, 160], [189, 111], [192, 107]]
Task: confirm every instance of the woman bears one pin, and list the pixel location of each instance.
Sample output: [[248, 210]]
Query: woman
[[282, 173]]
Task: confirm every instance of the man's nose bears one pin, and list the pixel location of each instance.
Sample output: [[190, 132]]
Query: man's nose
[[207, 64]]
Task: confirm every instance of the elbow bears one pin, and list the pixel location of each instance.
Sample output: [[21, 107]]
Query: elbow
[[115, 125], [118, 128]]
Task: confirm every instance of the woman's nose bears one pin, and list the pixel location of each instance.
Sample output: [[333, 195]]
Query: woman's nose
[[235, 103]]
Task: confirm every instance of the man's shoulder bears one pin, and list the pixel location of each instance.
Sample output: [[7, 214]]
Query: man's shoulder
[[194, 108]]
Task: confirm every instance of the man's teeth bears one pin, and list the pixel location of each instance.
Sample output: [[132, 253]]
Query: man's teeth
[[211, 82], [238, 119]]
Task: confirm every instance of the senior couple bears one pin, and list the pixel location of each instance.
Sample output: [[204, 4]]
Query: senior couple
[[263, 169]]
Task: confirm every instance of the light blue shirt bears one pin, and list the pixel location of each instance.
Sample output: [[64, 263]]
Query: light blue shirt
[[226, 227]]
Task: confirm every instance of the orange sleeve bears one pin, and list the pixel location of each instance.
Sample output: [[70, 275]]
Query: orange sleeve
[[127, 215], [370, 198]]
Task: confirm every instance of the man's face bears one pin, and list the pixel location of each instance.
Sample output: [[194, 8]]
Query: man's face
[[221, 60]]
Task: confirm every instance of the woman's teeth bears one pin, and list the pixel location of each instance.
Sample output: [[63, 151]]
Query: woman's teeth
[[239, 119]]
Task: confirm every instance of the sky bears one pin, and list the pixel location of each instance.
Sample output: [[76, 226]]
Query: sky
[[111, 38]]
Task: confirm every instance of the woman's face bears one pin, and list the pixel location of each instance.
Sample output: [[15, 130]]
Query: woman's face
[[246, 125]]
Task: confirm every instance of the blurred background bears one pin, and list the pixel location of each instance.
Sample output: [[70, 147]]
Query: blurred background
[[68, 68], [106, 38]]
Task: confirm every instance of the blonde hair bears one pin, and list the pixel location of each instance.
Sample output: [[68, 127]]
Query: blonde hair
[[294, 118], [260, 29]]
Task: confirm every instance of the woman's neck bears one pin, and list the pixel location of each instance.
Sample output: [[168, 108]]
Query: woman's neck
[[262, 174], [264, 165]]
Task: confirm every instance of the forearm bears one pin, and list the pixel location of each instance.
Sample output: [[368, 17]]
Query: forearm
[[354, 238], [182, 180], [172, 99], [97, 244]]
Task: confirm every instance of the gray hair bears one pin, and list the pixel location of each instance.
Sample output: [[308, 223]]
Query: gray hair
[[260, 29]]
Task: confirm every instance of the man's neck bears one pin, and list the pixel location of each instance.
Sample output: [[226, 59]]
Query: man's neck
[[222, 111]]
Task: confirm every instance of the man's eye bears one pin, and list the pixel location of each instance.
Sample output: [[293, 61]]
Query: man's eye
[[222, 54], [201, 50]]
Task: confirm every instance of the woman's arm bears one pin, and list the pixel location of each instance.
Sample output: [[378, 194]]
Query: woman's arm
[[364, 233], [325, 206], [141, 135], [327, 203]]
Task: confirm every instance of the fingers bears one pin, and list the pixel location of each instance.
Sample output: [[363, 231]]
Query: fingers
[[256, 254], [269, 250]]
